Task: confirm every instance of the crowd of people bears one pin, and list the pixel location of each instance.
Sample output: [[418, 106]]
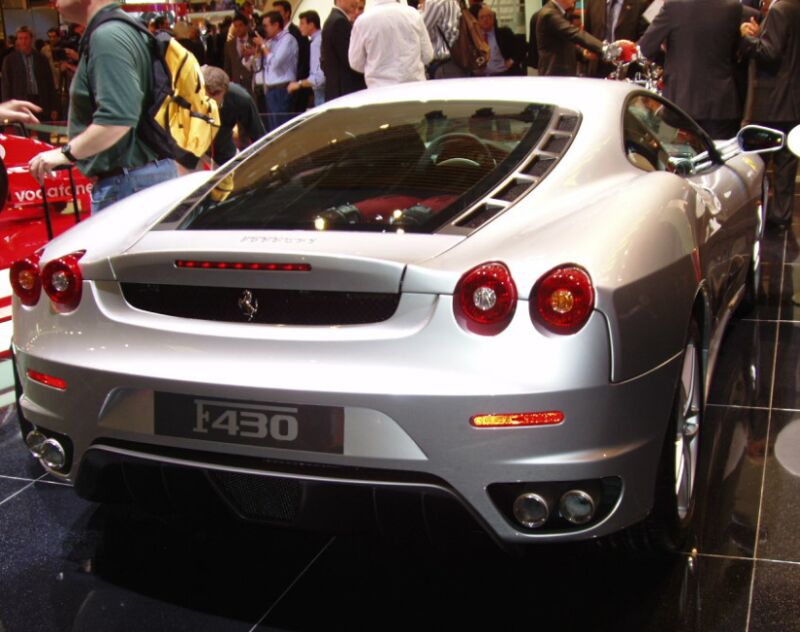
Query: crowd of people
[[264, 69]]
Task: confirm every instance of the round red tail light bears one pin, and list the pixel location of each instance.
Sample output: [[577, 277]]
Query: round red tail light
[[62, 281], [563, 299], [485, 299], [26, 280]]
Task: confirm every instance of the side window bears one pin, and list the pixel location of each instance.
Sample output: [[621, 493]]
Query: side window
[[674, 134]]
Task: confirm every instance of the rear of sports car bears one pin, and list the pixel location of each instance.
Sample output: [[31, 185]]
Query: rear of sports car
[[311, 334]]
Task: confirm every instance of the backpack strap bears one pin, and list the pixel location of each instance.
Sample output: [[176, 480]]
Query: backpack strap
[[115, 15]]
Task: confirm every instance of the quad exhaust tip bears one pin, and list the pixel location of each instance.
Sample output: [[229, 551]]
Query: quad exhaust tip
[[35, 442], [531, 510], [577, 506], [50, 452]]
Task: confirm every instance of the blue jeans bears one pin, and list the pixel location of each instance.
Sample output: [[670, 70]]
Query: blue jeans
[[106, 191], [279, 104]]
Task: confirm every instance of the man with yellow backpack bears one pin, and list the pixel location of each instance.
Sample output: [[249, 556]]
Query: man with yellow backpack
[[137, 104]]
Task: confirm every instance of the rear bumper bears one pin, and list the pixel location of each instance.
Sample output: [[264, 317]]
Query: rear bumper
[[422, 444], [407, 389]]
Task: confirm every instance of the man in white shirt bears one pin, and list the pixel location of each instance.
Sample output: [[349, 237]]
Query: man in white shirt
[[280, 53], [310, 27], [442, 19], [390, 44]]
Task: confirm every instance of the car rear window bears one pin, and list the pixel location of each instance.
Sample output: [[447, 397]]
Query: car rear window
[[387, 167]]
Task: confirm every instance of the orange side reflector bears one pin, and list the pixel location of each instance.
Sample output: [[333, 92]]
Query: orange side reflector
[[546, 418], [48, 380]]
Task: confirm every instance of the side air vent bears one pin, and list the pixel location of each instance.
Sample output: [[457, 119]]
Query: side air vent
[[567, 123], [556, 144], [480, 215], [539, 166], [555, 141], [514, 189]]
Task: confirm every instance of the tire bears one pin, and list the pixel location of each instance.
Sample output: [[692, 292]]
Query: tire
[[668, 526]]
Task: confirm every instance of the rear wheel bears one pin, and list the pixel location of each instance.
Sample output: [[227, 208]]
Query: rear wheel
[[668, 525]]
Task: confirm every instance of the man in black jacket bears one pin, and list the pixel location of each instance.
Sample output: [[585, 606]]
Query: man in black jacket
[[340, 79], [556, 37], [27, 75], [613, 20], [701, 38], [776, 48], [236, 107], [506, 56]]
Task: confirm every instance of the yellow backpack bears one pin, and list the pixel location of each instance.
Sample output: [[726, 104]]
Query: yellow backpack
[[182, 119]]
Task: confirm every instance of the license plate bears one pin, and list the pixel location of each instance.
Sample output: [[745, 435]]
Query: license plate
[[264, 424]]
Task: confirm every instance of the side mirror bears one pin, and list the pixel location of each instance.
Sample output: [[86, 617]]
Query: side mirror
[[757, 139], [793, 141]]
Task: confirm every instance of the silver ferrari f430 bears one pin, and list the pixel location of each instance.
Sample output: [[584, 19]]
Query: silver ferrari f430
[[503, 295]]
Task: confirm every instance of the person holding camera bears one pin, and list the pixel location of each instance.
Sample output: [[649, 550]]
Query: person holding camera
[[278, 52], [239, 48]]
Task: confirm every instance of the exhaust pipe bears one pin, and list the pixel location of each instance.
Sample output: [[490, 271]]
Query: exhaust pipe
[[35, 442], [577, 506], [50, 452], [531, 510], [53, 455]]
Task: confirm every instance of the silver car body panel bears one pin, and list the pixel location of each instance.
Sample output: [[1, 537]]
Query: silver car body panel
[[658, 247]]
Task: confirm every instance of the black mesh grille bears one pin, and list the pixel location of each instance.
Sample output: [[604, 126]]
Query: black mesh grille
[[514, 190], [260, 497], [557, 144], [567, 123], [480, 215], [539, 166], [275, 307]]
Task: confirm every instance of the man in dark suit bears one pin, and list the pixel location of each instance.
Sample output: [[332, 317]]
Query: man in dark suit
[[506, 57], [775, 46], [236, 48], [27, 75], [533, 48], [701, 37], [340, 79], [556, 37], [613, 20]]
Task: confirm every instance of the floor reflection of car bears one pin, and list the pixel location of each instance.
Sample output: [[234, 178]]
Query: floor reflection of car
[[485, 292]]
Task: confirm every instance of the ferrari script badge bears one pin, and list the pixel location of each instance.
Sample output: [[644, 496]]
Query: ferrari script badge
[[248, 305]]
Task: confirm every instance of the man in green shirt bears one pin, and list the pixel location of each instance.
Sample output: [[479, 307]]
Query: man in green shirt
[[108, 97]]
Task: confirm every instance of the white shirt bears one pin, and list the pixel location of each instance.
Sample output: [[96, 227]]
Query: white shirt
[[390, 44]]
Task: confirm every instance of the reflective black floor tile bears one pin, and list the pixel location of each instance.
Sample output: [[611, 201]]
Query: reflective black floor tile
[[16, 460], [733, 446], [769, 294], [780, 538], [743, 372], [358, 586], [790, 295], [776, 607], [792, 242], [8, 487], [774, 245], [79, 566], [787, 369]]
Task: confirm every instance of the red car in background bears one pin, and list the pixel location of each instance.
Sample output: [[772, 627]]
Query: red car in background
[[31, 215]]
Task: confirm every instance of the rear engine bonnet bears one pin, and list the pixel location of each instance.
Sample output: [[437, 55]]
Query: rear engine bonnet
[[337, 262]]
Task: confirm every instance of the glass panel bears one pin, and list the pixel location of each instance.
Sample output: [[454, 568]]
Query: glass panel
[[651, 122], [409, 166]]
